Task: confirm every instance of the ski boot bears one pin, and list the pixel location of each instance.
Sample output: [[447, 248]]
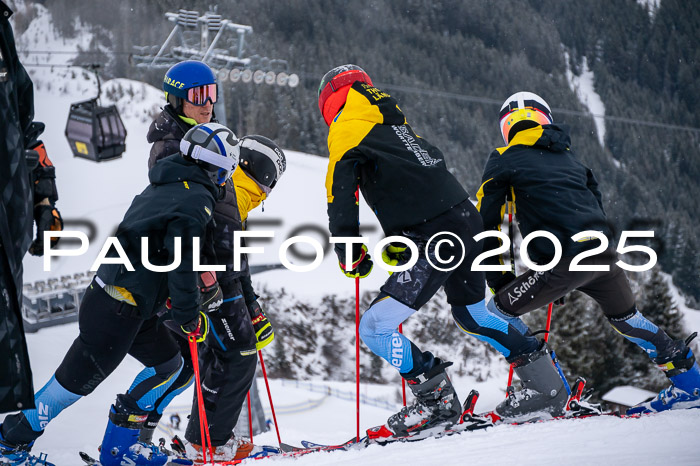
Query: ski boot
[[11, 454], [121, 443], [236, 448], [683, 371], [544, 393], [436, 404], [146, 437], [149, 427], [16, 450]]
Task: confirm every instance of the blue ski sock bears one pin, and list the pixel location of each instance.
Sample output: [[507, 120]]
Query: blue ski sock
[[478, 320], [516, 322], [152, 382], [639, 330], [378, 329], [49, 402]]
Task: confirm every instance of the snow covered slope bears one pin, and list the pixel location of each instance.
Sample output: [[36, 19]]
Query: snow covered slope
[[664, 439]]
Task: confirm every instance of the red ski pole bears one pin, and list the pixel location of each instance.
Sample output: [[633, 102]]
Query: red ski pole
[[403, 381], [250, 418], [357, 327], [203, 424], [357, 351], [509, 202], [269, 396], [549, 321]]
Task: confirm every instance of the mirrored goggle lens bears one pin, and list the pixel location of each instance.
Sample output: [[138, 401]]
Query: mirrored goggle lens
[[200, 95], [522, 114]]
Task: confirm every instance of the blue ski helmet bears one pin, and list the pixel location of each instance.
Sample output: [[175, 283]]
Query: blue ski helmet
[[183, 76]]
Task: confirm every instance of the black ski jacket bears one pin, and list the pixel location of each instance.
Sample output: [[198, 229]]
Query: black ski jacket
[[178, 203], [402, 176], [18, 132], [165, 133], [551, 189]]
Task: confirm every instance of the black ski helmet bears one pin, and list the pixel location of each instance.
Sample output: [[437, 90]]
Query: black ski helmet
[[214, 147], [262, 160]]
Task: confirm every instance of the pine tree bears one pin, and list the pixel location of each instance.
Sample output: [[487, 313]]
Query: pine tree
[[657, 305]]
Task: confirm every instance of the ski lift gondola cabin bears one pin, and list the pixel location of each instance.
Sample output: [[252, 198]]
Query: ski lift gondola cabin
[[94, 132]]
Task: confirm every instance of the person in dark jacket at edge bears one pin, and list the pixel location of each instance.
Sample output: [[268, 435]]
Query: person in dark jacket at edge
[[228, 366], [405, 181], [119, 312], [554, 192], [27, 191]]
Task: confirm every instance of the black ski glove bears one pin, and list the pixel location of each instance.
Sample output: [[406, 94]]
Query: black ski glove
[[361, 262], [395, 253], [47, 218], [197, 327], [210, 295], [264, 333]]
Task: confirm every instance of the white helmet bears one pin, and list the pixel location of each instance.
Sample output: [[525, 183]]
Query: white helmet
[[214, 147], [523, 110]]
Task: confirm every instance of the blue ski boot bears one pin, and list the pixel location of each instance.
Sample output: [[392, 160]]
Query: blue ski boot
[[684, 393], [16, 441], [121, 441], [11, 454]]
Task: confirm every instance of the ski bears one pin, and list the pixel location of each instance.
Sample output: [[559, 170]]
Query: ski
[[90, 461], [40, 460], [381, 435]]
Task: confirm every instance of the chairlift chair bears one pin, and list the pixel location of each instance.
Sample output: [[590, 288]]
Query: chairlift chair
[[95, 132]]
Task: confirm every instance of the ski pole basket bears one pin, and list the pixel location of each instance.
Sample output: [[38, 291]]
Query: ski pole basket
[[94, 132]]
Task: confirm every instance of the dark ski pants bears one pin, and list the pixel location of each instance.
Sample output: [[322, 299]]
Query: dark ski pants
[[227, 363], [109, 330], [610, 289], [406, 292]]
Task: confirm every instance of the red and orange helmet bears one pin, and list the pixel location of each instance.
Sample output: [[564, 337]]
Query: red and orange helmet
[[339, 78]]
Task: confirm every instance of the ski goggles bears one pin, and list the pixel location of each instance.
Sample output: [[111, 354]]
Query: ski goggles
[[199, 95], [511, 118]]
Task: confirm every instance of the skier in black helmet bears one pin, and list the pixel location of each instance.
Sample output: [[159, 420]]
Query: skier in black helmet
[[119, 312], [552, 191]]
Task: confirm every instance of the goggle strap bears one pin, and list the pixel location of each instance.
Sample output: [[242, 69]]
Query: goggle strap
[[198, 152]]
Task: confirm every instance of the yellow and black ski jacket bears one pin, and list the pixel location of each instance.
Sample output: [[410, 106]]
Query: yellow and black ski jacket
[[402, 177], [551, 189]]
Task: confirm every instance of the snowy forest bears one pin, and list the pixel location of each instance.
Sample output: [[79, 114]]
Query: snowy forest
[[450, 64]]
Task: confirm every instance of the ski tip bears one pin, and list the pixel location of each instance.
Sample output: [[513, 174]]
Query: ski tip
[[286, 448], [89, 460]]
